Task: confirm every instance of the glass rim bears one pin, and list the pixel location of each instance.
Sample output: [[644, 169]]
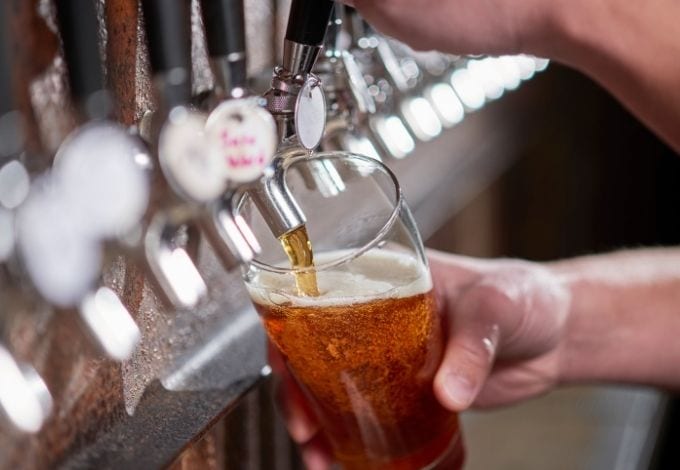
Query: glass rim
[[352, 253]]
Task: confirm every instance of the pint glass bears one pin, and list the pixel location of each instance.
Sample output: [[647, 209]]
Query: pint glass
[[366, 349]]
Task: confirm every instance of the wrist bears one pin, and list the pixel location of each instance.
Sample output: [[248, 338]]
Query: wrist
[[622, 322], [567, 31], [584, 352], [593, 36]]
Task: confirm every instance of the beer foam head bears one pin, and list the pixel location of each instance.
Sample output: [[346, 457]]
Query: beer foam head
[[376, 274]]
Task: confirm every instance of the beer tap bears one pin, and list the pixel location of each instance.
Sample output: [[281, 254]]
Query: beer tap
[[297, 102], [239, 126], [349, 102], [386, 124], [482, 79], [224, 22], [430, 72], [77, 207], [25, 401], [197, 155], [14, 177], [416, 112]]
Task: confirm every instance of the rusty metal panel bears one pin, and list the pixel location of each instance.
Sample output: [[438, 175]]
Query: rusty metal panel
[[105, 411], [250, 437]]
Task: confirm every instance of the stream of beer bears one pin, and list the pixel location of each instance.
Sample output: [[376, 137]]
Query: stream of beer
[[297, 246]]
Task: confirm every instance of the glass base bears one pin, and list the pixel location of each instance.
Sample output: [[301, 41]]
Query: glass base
[[453, 457]]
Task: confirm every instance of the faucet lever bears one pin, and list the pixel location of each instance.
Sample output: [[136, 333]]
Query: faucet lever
[[307, 24], [225, 37], [298, 104], [167, 31], [78, 27]]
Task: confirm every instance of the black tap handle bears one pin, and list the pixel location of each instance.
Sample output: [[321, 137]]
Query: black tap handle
[[6, 101], [224, 26], [308, 21], [78, 26], [167, 34]]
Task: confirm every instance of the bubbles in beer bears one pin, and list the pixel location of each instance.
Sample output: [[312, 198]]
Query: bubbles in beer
[[366, 351]]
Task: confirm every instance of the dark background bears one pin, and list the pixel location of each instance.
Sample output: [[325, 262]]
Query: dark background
[[590, 178]]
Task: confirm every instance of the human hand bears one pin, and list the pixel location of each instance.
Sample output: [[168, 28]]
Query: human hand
[[505, 320], [468, 26]]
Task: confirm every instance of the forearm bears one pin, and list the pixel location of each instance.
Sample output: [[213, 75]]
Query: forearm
[[631, 48], [624, 320]]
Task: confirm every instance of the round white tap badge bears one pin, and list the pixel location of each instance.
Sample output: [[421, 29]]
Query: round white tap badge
[[62, 260], [310, 114], [98, 171], [191, 165], [245, 136]]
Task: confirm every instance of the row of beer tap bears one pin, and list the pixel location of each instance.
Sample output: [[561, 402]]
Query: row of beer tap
[[112, 191]]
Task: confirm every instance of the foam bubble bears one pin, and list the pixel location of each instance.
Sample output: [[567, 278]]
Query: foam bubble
[[378, 273]]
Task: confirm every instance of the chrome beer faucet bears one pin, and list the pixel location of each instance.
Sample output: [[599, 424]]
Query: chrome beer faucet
[[436, 85], [25, 401], [200, 157], [415, 111], [349, 102], [239, 126], [297, 102], [77, 208], [387, 125], [186, 174], [429, 96], [224, 22]]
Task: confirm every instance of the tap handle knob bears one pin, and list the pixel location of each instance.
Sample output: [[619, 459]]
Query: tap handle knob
[[308, 21], [6, 101], [224, 22], [77, 21], [225, 27], [167, 34]]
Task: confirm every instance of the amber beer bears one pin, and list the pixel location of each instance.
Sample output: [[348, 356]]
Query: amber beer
[[298, 248], [366, 351]]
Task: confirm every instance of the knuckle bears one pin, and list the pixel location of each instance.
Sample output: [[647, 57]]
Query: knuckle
[[490, 298], [472, 354]]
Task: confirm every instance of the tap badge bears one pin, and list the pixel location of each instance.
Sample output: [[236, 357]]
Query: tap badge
[[245, 135], [310, 114], [189, 162]]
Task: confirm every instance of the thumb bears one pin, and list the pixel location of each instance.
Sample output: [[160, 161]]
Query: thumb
[[469, 354], [467, 363]]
